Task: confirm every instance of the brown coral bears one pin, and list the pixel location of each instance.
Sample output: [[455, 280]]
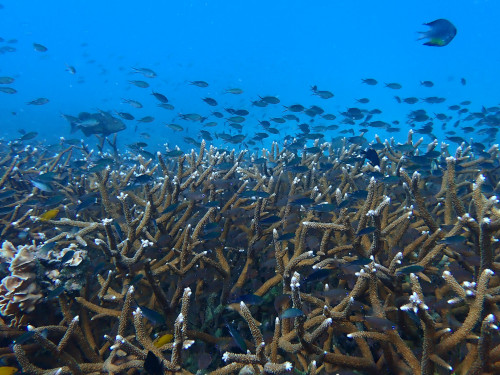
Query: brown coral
[[18, 291]]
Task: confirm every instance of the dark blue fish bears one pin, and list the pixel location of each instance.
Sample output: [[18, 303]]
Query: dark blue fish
[[410, 269], [252, 193], [452, 240], [440, 34], [44, 249], [212, 204], [143, 179], [69, 254], [302, 201], [210, 235], [292, 312], [7, 194], [170, 208], [55, 293], [24, 337], [360, 262], [270, 220], [380, 324], [152, 364], [318, 275], [118, 230], [237, 338], [323, 207], [286, 236], [366, 230], [372, 156], [154, 317], [136, 279], [249, 299], [297, 169], [173, 153]]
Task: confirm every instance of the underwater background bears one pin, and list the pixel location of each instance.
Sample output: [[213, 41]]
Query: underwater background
[[278, 48], [249, 187]]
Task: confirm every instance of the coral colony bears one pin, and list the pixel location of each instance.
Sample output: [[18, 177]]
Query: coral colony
[[225, 262]]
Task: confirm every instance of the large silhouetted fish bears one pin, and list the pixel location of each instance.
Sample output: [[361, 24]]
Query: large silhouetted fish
[[95, 123], [440, 34]]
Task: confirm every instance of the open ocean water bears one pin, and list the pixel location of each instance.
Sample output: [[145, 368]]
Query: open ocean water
[[278, 48]]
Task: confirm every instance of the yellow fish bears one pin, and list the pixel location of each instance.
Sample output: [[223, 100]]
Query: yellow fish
[[162, 340], [8, 370], [50, 214]]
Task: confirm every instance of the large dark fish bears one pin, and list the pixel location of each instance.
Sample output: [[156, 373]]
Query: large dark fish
[[372, 156], [102, 123], [440, 34]]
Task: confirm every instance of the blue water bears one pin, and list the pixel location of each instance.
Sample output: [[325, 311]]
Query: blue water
[[276, 48]]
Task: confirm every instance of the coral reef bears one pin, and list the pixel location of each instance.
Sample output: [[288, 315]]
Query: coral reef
[[218, 261]]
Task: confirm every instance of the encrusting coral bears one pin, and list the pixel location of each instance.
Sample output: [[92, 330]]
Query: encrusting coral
[[218, 263]]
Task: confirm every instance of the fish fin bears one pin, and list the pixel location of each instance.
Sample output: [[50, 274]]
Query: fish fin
[[74, 127]]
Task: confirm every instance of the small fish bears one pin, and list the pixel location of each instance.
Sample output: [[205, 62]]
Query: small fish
[[381, 324], [292, 312], [42, 186], [125, 116], [148, 73], [141, 84], [410, 269], [199, 83], [360, 262], [175, 127], [249, 299], [452, 240], [24, 337], [8, 90], [174, 153], [394, 85], [163, 339], [302, 201], [318, 275], [6, 80], [49, 215], [133, 103], [67, 256], [154, 317], [28, 136], [55, 293], [286, 236], [70, 69], [235, 91], [8, 370], [270, 220], [210, 101], [237, 338], [427, 83], [270, 99], [146, 119], [372, 156], [39, 101], [323, 207], [39, 47], [162, 98], [440, 34], [369, 81], [367, 230]]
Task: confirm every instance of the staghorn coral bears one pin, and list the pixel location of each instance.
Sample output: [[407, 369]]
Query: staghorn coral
[[393, 269]]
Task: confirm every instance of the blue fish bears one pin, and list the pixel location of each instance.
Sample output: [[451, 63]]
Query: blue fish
[[440, 34]]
